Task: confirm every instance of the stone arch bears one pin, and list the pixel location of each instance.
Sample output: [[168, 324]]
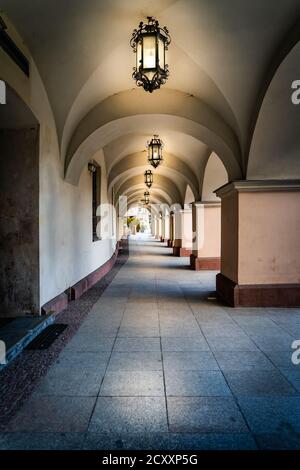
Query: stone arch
[[127, 111], [189, 195], [274, 151], [215, 176], [137, 163]]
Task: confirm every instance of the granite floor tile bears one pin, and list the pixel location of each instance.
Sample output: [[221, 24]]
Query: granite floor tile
[[181, 344], [196, 383], [180, 361], [53, 414], [258, 382], [138, 361], [133, 383], [272, 415], [205, 414], [129, 415]]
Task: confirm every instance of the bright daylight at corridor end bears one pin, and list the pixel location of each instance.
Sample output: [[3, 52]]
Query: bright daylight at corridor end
[[149, 227]]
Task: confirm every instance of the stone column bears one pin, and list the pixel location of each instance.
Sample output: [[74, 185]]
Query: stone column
[[260, 244], [183, 233], [171, 230], [152, 225], [163, 229], [166, 228], [157, 227], [206, 236]]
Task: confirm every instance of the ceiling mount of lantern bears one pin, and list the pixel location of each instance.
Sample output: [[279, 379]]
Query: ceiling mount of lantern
[[155, 147], [148, 178], [150, 43]]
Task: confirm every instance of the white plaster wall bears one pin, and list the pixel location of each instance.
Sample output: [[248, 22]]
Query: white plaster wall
[[67, 252]]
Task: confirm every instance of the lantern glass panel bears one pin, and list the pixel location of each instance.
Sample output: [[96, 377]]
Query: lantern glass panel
[[139, 55], [149, 52], [161, 52]]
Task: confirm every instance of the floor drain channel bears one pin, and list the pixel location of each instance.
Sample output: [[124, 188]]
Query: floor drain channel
[[47, 337]]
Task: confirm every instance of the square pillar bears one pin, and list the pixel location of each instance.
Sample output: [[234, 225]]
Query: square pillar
[[166, 223], [171, 230], [260, 244], [183, 233], [206, 253], [158, 227], [122, 228], [152, 225]]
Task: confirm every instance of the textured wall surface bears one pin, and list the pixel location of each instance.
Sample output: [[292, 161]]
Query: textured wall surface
[[19, 222]]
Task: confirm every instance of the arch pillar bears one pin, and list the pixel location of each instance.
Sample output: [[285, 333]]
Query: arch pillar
[[260, 244], [166, 228], [206, 220], [159, 227], [157, 230], [183, 233], [153, 225], [171, 230]]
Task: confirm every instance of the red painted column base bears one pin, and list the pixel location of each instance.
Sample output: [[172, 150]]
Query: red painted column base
[[205, 264], [269, 295], [181, 252]]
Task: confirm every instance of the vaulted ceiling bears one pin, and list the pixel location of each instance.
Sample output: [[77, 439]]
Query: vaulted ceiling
[[219, 59]]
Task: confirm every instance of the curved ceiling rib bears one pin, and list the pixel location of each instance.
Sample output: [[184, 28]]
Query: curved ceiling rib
[[128, 111], [138, 192], [161, 182], [137, 163]]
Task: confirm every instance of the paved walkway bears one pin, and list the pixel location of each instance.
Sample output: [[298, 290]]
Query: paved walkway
[[159, 364]]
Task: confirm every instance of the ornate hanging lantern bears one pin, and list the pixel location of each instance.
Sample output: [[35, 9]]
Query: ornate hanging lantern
[[150, 43], [146, 199], [155, 156], [148, 178]]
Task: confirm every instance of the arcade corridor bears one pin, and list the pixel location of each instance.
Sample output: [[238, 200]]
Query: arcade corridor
[[158, 363], [178, 119]]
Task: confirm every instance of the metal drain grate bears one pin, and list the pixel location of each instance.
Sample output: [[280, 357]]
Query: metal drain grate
[[47, 337]]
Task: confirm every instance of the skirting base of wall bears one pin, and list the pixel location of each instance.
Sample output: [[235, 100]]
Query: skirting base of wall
[[87, 282], [60, 302], [181, 252], [55, 305], [205, 264], [269, 295]]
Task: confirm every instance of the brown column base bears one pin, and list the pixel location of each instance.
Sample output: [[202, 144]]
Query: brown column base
[[269, 295], [122, 244], [181, 252], [205, 264], [170, 243]]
